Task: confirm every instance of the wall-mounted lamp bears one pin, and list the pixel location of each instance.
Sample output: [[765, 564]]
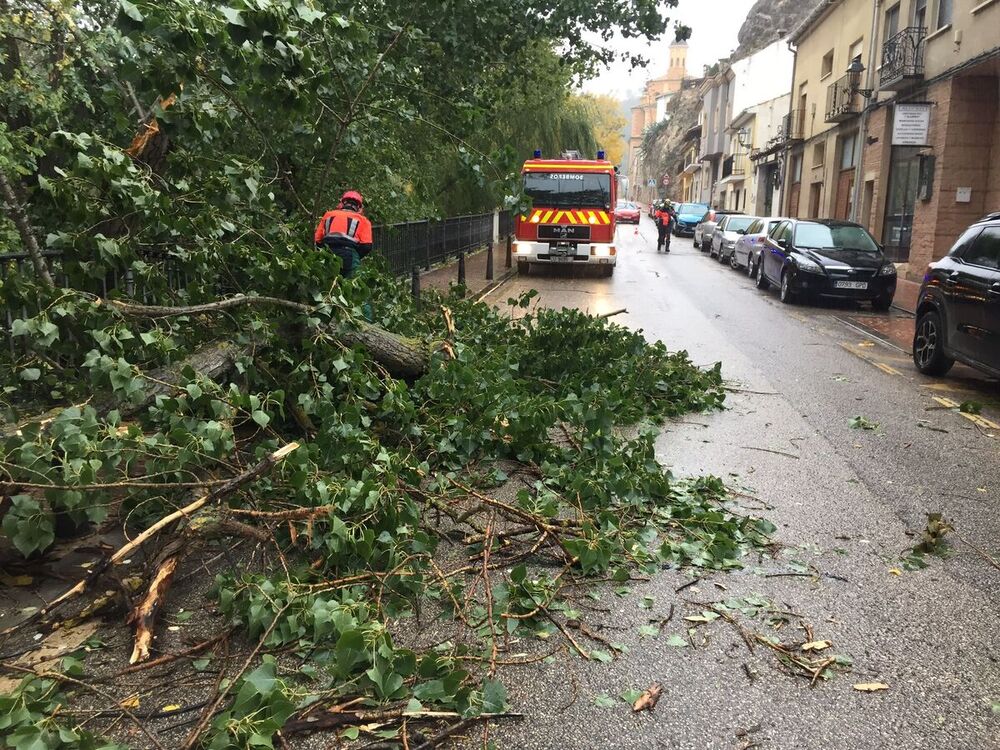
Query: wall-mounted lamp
[[854, 72], [743, 136]]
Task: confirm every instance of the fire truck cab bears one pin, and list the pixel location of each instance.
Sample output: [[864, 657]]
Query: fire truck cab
[[572, 218]]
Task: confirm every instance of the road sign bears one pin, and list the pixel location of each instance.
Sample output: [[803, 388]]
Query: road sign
[[666, 180]]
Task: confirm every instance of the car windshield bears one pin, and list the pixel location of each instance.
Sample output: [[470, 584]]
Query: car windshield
[[624, 204], [568, 190], [835, 237], [739, 223], [692, 208]]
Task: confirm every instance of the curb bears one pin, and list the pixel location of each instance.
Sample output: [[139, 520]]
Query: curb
[[494, 285]]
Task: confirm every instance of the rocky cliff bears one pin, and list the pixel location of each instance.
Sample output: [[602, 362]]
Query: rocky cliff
[[769, 20]]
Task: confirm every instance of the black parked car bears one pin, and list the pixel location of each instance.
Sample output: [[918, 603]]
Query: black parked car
[[826, 258], [958, 311]]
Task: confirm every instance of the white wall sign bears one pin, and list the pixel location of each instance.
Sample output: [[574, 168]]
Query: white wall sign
[[963, 195], [910, 124]]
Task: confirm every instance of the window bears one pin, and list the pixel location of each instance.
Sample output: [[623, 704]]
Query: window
[[892, 21], [849, 151], [776, 230], [985, 251], [944, 13], [755, 227], [839, 236], [920, 13], [819, 154], [964, 242], [856, 50], [786, 231], [827, 67], [797, 168]]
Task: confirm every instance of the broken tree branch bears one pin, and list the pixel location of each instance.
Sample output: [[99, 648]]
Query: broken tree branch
[[215, 495]]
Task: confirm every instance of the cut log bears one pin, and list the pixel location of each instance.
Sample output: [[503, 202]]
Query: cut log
[[402, 357]]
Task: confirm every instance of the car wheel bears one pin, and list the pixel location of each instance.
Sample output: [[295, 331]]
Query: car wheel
[[721, 257], [787, 296], [751, 266], [762, 282], [697, 245], [522, 267], [882, 304], [733, 263], [928, 345]]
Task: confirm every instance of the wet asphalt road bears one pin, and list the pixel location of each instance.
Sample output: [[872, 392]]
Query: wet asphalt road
[[848, 502]]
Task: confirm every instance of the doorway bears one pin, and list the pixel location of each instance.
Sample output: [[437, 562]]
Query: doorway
[[904, 178], [815, 191]]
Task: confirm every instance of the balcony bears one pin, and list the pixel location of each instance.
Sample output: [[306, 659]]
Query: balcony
[[793, 126], [903, 59], [739, 164], [842, 101]]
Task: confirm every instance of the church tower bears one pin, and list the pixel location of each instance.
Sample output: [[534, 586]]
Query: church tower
[[677, 70]]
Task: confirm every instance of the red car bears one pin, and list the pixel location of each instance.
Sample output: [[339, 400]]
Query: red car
[[627, 213]]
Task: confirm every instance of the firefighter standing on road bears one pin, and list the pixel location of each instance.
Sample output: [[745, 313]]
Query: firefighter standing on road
[[347, 232], [664, 217]]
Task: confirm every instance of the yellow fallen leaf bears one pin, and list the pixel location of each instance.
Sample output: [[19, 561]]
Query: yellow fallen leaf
[[697, 618], [896, 571], [170, 707], [816, 645], [131, 703], [8, 580], [870, 687]]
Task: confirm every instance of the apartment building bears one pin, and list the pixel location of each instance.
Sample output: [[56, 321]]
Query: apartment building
[[901, 98], [716, 113], [689, 182], [759, 100]]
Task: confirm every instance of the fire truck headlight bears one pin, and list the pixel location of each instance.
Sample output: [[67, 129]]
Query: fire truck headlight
[[602, 251], [522, 248]]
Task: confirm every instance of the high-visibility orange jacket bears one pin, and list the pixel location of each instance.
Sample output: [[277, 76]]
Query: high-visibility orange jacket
[[663, 218], [345, 229]]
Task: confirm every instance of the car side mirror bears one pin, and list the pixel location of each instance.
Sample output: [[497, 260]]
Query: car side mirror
[[783, 244], [741, 231]]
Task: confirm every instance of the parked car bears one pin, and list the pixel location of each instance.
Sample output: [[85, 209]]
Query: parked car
[[724, 238], [627, 213], [748, 245], [703, 232], [688, 216], [958, 310], [826, 258]]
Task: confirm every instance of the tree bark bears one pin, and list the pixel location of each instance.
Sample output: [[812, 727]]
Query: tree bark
[[402, 357], [23, 224]]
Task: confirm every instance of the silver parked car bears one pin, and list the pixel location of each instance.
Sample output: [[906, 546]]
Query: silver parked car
[[747, 249], [730, 229], [703, 232]]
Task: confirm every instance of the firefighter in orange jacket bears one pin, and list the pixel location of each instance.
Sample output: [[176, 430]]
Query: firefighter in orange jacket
[[664, 218], [347, 232]]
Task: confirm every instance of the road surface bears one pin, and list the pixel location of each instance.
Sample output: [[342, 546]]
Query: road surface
[[848, 504]]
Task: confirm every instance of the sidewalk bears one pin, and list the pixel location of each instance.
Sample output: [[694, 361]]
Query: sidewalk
[[443, 276]]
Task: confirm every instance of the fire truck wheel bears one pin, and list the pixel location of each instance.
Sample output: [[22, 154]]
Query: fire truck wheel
[[522, 267], [608, 270]]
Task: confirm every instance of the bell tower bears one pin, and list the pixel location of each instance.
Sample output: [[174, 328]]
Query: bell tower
[[677, 70]]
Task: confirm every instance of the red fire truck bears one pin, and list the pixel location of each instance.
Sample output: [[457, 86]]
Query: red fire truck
[[572, 218]]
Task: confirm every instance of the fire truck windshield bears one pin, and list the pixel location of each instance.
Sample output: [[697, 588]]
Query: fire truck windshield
[[568, 189]]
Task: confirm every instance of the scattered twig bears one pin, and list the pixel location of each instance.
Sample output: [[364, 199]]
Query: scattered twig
[[770, 450]]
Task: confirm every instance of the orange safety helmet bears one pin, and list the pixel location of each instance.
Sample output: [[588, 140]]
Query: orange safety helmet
[[352, 196]]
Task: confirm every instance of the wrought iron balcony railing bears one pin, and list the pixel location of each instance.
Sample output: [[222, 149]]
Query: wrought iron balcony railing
[[903, 59], [842, 101], [793, 126]]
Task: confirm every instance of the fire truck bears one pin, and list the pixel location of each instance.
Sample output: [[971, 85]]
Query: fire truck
[[572, 218]]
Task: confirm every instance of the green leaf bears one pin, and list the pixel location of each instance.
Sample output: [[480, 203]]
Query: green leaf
[[31, 374], [676, 641], [232, 16], [631, 695], [261, 418], [601, 656], [649, 631], [494, 697], [604, 701], [130, 10]]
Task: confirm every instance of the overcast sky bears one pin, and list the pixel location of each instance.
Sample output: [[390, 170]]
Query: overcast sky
[[714, 26]]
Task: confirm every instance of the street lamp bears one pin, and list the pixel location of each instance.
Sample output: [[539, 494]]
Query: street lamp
[[854, 72], [743, 136]]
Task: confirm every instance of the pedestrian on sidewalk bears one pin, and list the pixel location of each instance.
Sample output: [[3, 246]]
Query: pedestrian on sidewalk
[[347, 232], [664, 218]]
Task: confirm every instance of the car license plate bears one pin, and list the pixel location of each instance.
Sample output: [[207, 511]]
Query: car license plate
[[562, 258], [850, 284]]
